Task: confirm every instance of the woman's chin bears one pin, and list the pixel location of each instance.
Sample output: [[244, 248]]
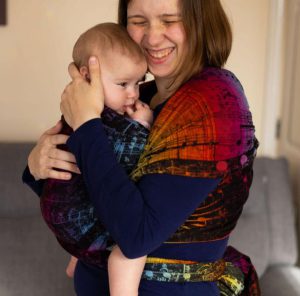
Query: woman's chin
[[161, 71]]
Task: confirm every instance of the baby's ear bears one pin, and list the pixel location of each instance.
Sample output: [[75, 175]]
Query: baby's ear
[[84, 71]]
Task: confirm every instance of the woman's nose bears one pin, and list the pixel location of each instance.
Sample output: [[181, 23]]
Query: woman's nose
[[154, 34]]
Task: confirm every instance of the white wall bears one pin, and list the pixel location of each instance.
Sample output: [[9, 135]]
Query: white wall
[[248, 60], [36, 48]]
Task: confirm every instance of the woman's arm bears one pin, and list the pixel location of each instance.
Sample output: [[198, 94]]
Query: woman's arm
[[140, 217]]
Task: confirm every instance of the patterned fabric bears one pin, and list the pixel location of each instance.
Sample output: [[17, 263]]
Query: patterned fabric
[[234, 273], [65, 205], [243, 263], [205, 130]]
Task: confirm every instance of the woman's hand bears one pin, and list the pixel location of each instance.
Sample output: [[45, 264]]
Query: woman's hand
[[83, 100], [45, 157]]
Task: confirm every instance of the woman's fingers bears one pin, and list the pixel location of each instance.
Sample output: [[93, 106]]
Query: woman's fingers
[[94, 70], [73, 71], [53, 174], [57, 139], [63, 165], [45, 158], [54, 129], [56, 153]]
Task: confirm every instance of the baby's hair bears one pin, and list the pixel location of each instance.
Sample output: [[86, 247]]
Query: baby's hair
[[104, 38]]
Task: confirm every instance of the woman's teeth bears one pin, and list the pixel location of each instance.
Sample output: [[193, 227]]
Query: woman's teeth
[[159, 54]]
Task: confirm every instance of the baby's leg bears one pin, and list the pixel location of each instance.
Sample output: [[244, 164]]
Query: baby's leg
[[124, 274], [71, 267]]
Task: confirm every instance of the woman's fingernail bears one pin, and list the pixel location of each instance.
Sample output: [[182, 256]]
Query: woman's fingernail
[[92, 60], [67, 176]]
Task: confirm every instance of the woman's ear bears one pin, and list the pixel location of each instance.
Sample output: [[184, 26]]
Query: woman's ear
[[84, 71]]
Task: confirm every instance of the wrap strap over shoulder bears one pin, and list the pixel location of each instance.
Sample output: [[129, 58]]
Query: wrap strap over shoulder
[[205, 130]]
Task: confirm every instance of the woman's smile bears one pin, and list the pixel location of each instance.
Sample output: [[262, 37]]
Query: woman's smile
[[158, 56]]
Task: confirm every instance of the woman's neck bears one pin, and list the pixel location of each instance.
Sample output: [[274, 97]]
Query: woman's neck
[[163, 92]]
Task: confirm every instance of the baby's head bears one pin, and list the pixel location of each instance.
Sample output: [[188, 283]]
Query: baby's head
[[122, 62]]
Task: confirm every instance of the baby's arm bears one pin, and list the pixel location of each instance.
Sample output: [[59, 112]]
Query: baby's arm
[[124, 274], [141, 113]]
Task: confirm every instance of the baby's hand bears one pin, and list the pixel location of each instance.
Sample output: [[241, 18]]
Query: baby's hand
[[140, 112]]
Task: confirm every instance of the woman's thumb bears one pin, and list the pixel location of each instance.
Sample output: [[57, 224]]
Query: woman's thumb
[[54, 129], [94, 70]]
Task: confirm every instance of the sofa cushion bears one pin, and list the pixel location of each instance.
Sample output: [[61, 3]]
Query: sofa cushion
[[251, 238], [281, 281], [251, 235], [32, 262], [280, 203], [16, 198], [256, 202]]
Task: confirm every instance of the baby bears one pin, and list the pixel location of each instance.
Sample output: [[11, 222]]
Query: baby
[[65, 205]]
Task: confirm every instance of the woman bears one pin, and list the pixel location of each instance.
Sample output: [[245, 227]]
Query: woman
[[192, 180]]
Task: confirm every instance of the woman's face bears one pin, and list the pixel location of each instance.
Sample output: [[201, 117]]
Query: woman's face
[[156, 25]]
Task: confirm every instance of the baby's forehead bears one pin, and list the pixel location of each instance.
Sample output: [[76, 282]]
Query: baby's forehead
[[122, 67], [118, 53]]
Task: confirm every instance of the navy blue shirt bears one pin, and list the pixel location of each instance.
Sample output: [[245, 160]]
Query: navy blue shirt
[[140, 216]]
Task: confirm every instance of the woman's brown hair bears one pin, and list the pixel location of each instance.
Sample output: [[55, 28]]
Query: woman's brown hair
[[209, 36]]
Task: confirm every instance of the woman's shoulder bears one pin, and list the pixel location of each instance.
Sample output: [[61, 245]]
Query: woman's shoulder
[[216, 87], [215, 77], [215, 102]]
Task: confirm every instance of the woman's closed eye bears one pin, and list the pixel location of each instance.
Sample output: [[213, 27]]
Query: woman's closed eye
[[170, 21], [139, 23]]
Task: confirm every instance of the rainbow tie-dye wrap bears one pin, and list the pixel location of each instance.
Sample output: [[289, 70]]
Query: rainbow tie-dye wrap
[[65, 205], [205, 130]]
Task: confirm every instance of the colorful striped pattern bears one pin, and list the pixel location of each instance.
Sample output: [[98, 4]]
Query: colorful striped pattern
[[234, 273], [205, 130]]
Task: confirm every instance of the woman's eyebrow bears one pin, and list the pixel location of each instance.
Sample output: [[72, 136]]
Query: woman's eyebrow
[[162, 15], [135, 15], [170, 14]]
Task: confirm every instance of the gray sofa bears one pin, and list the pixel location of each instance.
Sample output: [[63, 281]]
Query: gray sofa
[[266, 230], [32, 263]]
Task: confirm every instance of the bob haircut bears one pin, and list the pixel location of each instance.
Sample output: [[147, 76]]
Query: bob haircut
[[103, 39], [209, 36]]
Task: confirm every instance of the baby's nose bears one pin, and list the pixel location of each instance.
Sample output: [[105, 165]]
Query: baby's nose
[[133, 95]]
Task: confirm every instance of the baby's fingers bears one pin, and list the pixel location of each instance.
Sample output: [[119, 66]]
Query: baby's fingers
[[129, 110], [139, 105]]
